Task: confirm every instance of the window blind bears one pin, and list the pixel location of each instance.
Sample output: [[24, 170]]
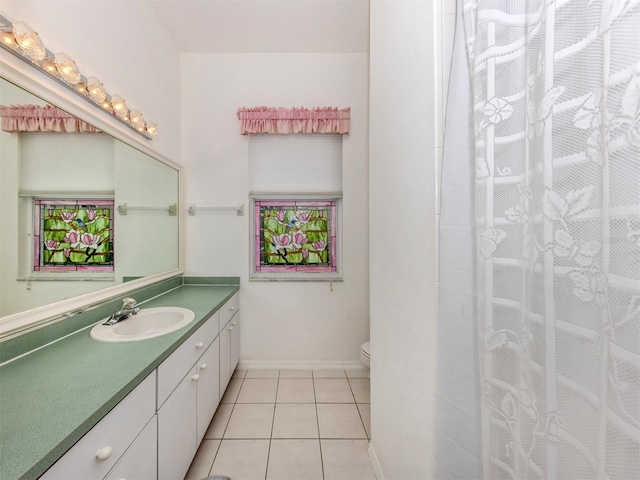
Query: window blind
[[295, 164], [69, 162]]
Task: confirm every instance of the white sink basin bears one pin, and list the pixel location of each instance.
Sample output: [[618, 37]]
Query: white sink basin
[[148, 323]]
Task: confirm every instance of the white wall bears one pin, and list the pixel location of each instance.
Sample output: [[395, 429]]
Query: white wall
[[456, 398], [281, 321], [123, 44], [402, 236]]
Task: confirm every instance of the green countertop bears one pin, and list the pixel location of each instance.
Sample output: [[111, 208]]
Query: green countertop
[[51, 397]]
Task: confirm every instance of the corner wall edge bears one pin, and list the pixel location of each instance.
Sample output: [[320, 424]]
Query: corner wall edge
[[377, 470]]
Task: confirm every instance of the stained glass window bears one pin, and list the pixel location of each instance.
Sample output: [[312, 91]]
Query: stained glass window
[[295, 236], [73, 235]]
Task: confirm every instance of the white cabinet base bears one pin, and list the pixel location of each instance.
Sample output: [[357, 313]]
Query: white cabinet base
[[140, 462], [98, 451], [208, 387], [177, 430], [154, 432], [235, 342], [225, 358]]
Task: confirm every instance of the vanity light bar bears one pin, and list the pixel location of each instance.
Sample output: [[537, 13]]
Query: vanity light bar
[[22, 41]]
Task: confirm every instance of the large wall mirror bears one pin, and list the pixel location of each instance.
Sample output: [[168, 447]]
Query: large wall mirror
[[81, 212]]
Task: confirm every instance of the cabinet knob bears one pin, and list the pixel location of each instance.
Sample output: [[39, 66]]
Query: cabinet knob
[[195, 378], [232, 308], [104, 453], [230, 328], [234, 323], [203, 366], [199, 345]]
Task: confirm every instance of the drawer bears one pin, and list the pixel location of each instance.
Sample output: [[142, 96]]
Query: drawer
[[228, 310], [171, 371], [111, 436]]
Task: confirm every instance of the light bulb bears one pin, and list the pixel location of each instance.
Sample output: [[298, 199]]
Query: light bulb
[[29, 41], [67, 68], [49, 66], [152, 129], [8, 39], [96, 90], [137, 119], [82, 88], [119, 106]]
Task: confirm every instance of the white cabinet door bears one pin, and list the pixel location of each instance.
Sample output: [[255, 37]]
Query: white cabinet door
[[174, 367], [95, 454], [235, 342], [140, 462], [228, 310], [177, 429], [225, 358], [208, 387]]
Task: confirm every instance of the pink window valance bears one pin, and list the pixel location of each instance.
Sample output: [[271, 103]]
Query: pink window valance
[[279, 120], [37, 118]]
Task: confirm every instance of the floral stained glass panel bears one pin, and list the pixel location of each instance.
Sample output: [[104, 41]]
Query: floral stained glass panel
[[295, 236], [73, 235]]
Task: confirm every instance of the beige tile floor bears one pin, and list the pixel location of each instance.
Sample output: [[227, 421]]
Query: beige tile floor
[[289, 425]]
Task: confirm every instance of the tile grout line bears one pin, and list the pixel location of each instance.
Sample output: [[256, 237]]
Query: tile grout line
[[273, 421], [315, 401], [366, 434], [214, 457], [228, 420]]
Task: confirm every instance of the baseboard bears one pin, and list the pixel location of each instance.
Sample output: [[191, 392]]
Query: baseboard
[[299, 365], [375, 464]]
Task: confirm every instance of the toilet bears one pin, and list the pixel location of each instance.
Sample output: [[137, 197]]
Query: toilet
[[365, 354]]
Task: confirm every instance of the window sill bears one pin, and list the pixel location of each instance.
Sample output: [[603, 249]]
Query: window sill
[[66, 279], [294, 279]]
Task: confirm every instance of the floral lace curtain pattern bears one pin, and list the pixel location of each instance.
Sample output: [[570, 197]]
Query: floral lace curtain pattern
[[37, 118], [556, 88]]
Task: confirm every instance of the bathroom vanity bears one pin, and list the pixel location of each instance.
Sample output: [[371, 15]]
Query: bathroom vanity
[[83, 409]]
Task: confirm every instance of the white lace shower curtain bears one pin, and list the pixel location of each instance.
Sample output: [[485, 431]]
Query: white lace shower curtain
[[556, 88]]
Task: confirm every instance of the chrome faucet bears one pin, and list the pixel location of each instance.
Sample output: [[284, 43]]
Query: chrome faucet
[[128, 308]]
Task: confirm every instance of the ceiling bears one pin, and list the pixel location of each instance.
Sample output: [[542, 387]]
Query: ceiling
[[276, 26]]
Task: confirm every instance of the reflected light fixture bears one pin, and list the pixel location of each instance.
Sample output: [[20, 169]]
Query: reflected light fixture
[[25, 43]]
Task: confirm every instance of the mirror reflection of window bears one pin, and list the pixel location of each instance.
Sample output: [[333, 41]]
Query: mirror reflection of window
[[76, 163], [73, 235]]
